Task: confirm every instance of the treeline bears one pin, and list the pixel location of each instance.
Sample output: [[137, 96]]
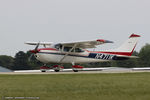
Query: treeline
[[21, 61]]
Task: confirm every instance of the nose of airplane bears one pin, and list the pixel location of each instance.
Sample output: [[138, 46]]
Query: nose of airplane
[[36, 50]]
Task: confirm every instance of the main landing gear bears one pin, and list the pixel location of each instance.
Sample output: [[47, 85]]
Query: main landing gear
[[76, 68], [57, 68]]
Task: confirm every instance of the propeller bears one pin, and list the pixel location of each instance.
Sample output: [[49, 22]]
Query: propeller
[[29, 59], [34, 51], [36, 48]]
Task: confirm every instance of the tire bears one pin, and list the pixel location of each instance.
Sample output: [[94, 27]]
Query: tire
[[43, 71], [75, 70], [56, 70]]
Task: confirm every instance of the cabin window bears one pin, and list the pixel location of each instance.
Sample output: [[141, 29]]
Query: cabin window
[[67, 49], [78, 50]]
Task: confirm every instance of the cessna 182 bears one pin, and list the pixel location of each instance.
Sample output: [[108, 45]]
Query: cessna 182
[[76, 52]]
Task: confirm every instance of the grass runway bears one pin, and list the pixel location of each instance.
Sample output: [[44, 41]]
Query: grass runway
[[115, 86]]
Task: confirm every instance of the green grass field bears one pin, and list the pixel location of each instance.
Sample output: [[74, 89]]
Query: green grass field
[[125, 86]]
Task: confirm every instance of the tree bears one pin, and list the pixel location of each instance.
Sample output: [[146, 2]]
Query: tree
[[144, 55], [21, 61], [126, 63], [6, 61]]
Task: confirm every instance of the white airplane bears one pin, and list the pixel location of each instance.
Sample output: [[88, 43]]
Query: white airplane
[[76, 53]]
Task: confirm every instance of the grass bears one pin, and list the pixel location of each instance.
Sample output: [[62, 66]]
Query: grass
[[124, 86]]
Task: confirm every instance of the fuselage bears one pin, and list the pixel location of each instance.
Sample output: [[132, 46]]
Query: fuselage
[[74, 52], [52, 55]]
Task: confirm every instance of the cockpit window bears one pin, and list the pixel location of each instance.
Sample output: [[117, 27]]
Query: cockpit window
[[58, 46]]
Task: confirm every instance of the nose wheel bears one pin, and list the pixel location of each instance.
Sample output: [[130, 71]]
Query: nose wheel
[[44, 68]]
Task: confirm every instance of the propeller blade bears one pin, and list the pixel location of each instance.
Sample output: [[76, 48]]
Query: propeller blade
[[29, 59], [37, 46], [34, 52]]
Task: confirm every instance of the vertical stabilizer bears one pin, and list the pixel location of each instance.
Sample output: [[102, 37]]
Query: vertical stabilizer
[[130, 44], [127, 47]]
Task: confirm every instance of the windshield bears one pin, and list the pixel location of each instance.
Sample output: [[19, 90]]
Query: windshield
[[58, 46]]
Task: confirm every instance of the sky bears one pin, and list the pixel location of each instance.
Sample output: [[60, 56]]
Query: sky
[[71, 20]]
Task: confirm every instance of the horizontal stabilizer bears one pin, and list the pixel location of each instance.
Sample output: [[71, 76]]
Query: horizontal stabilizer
[[120, 57]]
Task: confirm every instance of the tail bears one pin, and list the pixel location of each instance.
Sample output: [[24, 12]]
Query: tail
[[127, 47]]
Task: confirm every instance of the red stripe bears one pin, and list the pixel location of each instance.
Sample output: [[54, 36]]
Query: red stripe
[[114, 53], [36, 51], [119, 53]]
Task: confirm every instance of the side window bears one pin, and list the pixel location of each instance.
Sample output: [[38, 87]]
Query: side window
[[67, 49], [78, 50]]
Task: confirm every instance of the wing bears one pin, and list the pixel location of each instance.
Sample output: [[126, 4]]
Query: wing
[[41, 43], [86, 44]]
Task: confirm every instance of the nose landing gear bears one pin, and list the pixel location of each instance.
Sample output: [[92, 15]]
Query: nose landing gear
[[44, 68]]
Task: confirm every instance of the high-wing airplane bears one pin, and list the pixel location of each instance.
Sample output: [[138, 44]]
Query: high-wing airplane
[[76, 53]]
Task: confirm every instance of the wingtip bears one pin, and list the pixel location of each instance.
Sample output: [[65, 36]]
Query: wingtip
[[134, 35], [105, 41]]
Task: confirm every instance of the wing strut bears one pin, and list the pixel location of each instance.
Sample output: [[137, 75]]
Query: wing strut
[[67, 53]]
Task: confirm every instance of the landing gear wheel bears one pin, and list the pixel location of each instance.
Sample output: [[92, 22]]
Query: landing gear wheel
[[56, 70], [43, 71], [75, 70]]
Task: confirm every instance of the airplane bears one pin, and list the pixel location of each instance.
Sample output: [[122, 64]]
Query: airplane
[[77, 53]]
